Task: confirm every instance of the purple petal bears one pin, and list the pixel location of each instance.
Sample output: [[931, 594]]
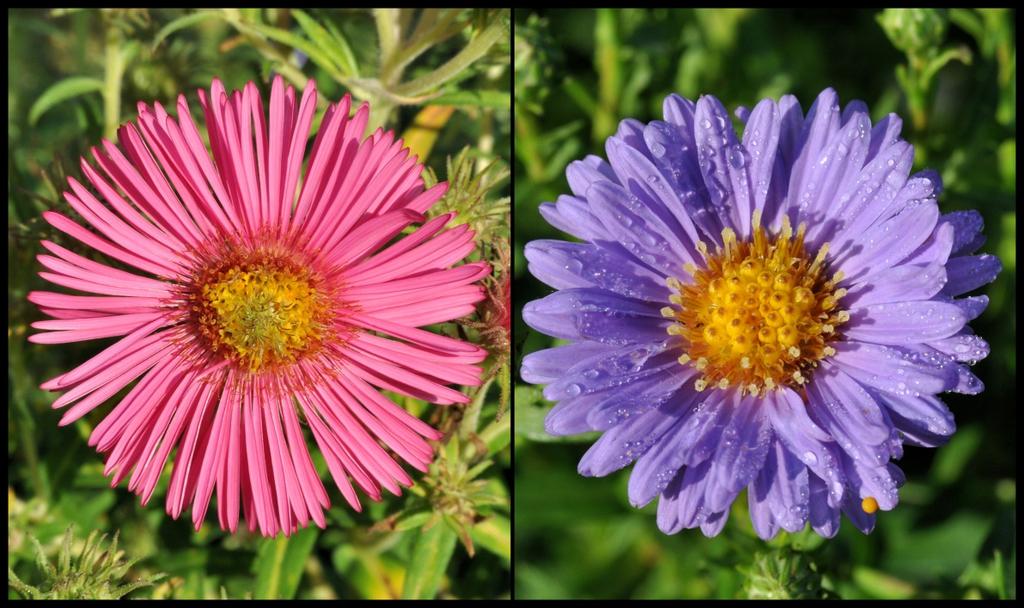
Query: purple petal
[[904, 322], [884, 135], [968, 226], [790, 127], [891, 369], [820, 126], [885, 244], [833, 173], [971, 306], [969, 272], [641, 178], [761, 139], [672, 149], [647, 393], [679, 111], [713, 524], [757, 502], [863, 521], [963, 347], [741, 452], [594, 314], [631, 131], [898, 284], [668, 506], [573, 216], [824, 517], [804, 438], [628, 441], [788, 491], [565, 265], [631, 223], [608, 370], [873, 480], [872, 197], [842, 406], [655, 469], [548, 365], [682, 500], [721, 161], [967, 382], [582, 174], [935, 249], [569, 416], [924, 412]]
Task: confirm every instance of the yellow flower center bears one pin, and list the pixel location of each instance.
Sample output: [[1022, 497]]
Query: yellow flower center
[[262, 313], [760, 314]]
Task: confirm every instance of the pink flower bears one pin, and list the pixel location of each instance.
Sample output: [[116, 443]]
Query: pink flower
[[257, 306]]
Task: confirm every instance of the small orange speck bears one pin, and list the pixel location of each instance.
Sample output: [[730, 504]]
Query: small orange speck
[[869, 504]]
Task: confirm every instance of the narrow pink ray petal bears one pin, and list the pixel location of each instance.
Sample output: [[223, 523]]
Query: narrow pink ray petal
[[327, 448], [72, 229], [298, 135], [187, 464]]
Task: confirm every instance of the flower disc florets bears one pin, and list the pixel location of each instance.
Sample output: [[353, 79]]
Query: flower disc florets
[[758, 314]]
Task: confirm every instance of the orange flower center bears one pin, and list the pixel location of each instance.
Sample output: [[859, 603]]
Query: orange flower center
[[260, 310], [760, 314]]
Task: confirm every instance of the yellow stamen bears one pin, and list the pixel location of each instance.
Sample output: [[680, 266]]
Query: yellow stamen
[[760, 313], [260, 314], [869, 505]]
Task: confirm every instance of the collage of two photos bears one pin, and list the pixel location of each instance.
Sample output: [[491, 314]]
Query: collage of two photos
[[509, 303]]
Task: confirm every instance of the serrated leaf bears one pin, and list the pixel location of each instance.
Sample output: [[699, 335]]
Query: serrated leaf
[[280, 562], [61, 91], [430, 556]]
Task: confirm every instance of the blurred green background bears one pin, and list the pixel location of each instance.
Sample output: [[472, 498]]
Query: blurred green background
[[952, 76], [440, 78]]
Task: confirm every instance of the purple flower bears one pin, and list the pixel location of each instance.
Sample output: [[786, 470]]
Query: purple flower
[[776, 313]]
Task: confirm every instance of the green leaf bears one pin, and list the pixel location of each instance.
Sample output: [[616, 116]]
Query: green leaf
[[181, 23], [280, 562], [494, 534], [343, 47], [333, 47], [499, 100], [952, 459], [297, 42], [409, 521], [880, 585], [61, 91], [430, 557]]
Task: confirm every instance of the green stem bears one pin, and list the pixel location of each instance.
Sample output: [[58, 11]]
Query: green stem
[[388, 33], [471, 415], [476, 49], [115, 64], [420, 40]]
